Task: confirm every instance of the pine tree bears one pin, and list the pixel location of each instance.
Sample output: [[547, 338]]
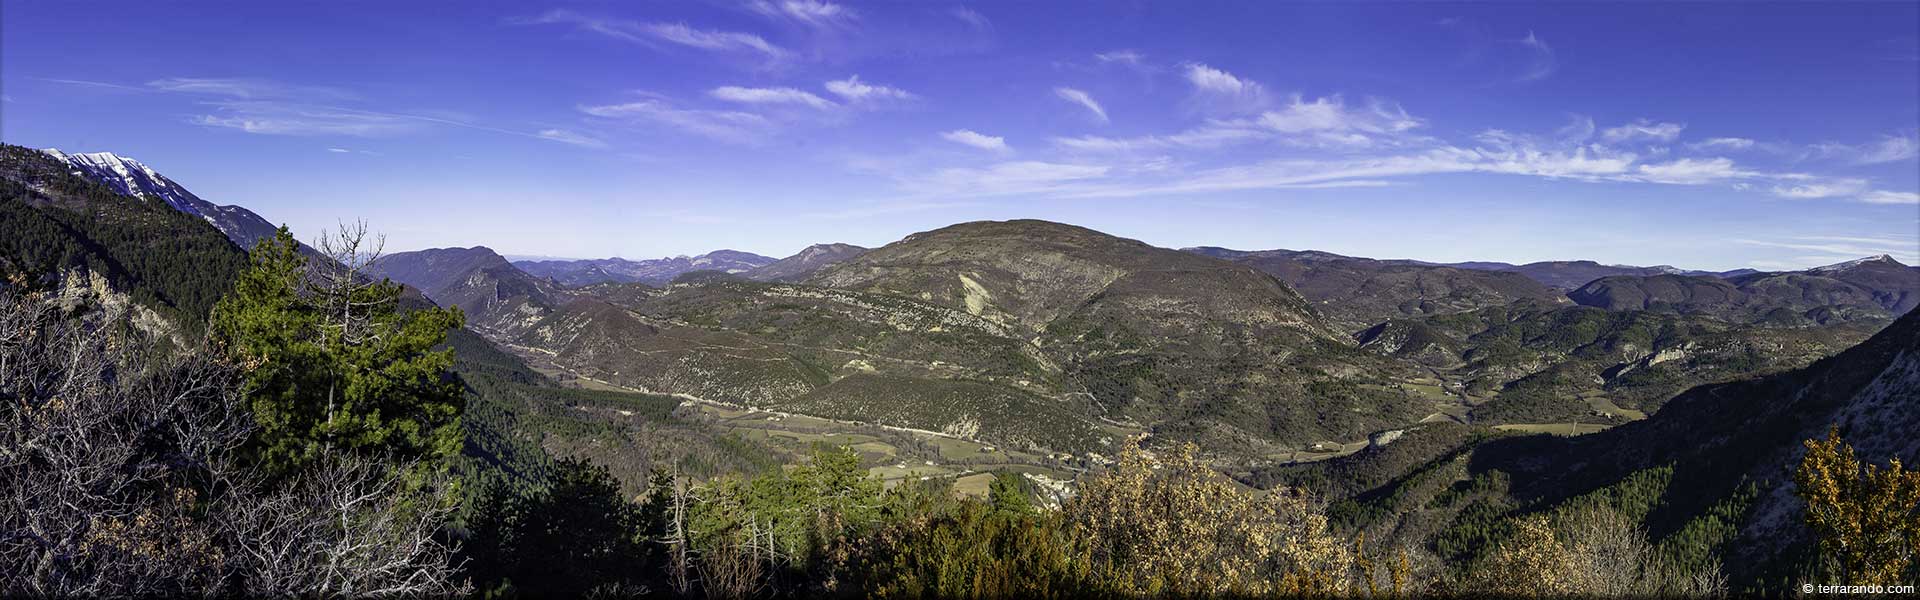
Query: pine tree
[[335, 364], [1006, 495]]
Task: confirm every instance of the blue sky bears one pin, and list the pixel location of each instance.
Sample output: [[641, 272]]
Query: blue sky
[[1704, 135]]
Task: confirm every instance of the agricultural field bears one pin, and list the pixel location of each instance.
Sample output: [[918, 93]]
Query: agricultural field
[[897, 455], [1560, 429]]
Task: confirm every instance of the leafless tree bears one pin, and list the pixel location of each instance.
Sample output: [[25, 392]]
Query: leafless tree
[[338, 282], [348, 528], [679, 556], [1612, 558], [730, 570]]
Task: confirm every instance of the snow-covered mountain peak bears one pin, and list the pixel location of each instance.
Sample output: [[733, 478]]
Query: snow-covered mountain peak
[[131, 177], [134, 178], [1884, 258]]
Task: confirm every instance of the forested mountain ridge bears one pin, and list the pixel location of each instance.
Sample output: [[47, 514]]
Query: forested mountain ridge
[[1357, 293], [57, 222]]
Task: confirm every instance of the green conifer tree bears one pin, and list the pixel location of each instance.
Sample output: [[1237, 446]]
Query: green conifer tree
[[335, 364]]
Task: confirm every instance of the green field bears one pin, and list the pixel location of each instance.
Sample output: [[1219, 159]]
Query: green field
[[1601, 403], [1553, 428]]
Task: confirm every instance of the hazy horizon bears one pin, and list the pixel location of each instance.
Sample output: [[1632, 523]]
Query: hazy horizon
[[1787, 138]]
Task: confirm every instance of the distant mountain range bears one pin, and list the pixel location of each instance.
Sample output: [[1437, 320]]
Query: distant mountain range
[[1356, 293], [1570, 274], [1872, 288], [1558, 274], [655, 272]]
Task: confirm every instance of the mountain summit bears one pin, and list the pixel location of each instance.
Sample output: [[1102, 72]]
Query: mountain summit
[[805, 263], [134, 178]]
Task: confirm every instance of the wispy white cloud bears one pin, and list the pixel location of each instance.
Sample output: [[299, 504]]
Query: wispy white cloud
[[1642, 131], [1210, 136], [1541, 63], [1836, 249], [98, 85], [1332, 114], [1693, 171], [722, 125], [1723, 143], [782, 95], [1336, 143], [1327, 123], [1883, 241], [1889, 149], [340, 150], [277, 118], [292, 118], [1129, 58], [1085, 101], [650, 33], [1221, 90], [982, 141], [1889, 197], [853, 90], [1831, 188], [250, 89], [972, 17], [810, 12], [570, 137], [268, 107], [1022, 177]]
